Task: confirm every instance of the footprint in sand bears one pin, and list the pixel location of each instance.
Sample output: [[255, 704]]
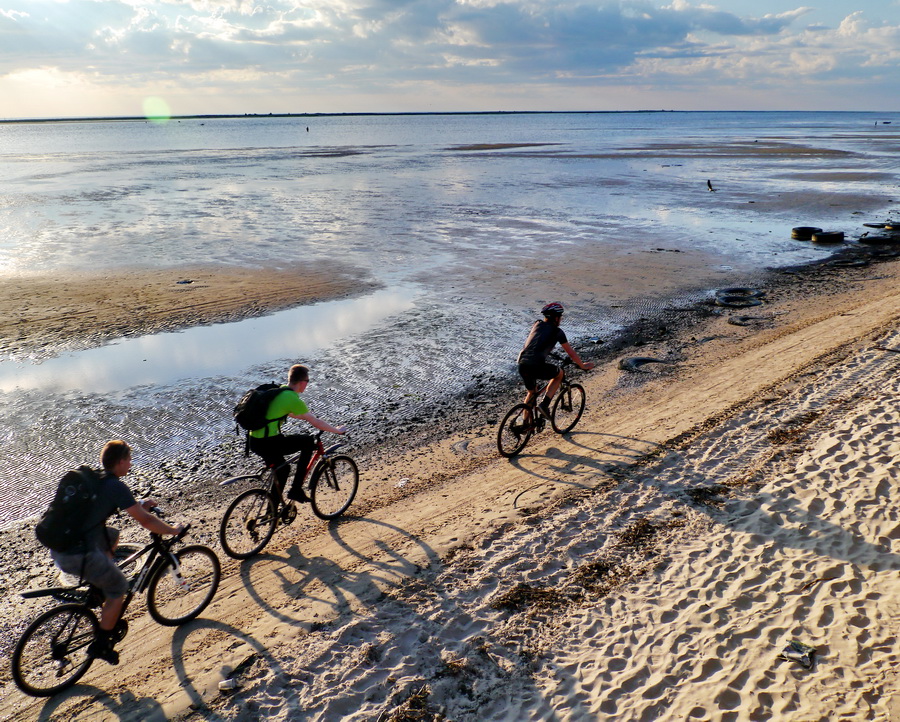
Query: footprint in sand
[[826, 617]]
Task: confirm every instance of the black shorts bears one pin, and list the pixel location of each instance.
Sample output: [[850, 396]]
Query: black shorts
[[273, 449], [531, 372]]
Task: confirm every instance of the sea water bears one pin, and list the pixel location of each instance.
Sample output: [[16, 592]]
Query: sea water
[[418, 202], [378, 189]]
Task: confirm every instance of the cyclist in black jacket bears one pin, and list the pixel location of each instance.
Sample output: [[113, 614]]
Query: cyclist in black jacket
[[533, 363]]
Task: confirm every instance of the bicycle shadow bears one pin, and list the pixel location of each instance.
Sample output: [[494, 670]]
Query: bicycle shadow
[[385, 588], [557, 467], [122, 706], [242, 648], [84, 701], [330, 588], [774, 516], [390, 562]]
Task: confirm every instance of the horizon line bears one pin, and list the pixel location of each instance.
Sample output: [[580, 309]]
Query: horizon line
[[214, 116]]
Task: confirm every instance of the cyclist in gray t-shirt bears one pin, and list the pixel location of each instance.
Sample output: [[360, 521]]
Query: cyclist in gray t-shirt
[[93, 562]]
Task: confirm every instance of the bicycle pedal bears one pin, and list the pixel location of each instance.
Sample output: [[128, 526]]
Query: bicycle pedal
[[288, 514]]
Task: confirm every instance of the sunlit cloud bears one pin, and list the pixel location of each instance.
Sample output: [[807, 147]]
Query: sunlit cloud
[[365, 48]]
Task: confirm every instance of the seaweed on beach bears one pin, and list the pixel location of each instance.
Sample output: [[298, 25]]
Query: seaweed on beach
[[788, 435], [794, 429], [806, 418], [523, 596], [456, 551], [601, 576], [455, 667], [707, 495], [416, 708], [639, 535], [367, 655]]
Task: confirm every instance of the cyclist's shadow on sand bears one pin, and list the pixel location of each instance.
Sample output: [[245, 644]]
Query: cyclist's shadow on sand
[[251, 648], [391, 558], [114, 706], [71, 703], [330, 588], [557, 466], [776, 517]]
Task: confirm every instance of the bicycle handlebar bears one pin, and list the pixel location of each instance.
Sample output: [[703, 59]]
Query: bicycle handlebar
[[562, 360], [156, 511]]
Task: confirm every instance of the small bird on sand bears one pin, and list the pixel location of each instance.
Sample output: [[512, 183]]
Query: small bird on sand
[[709, 185]]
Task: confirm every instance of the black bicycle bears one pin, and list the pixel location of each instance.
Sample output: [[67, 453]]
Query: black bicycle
[[523, 420], [250, 519], [51, 654]]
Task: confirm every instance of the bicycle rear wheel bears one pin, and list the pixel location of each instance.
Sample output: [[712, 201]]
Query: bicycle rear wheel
[[52, 654], [333, 486], [567, 408], [174, 599], [515, 430], [248, 524]]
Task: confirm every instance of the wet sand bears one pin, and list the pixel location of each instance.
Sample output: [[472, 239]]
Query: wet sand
[[42, 314], [659, 558]]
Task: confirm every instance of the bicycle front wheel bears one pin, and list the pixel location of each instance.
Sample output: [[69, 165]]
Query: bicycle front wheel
[[567, 408], [515, 430], [248, 524], [52, 652], [333, 486], [176, 596]]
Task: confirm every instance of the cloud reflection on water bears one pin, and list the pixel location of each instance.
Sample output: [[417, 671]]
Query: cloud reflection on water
[[203, 351]]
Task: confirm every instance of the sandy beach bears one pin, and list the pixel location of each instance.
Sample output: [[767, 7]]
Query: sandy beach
[[652, 564]]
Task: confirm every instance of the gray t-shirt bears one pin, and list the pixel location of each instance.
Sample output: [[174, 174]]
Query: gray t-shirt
[[113, 495]]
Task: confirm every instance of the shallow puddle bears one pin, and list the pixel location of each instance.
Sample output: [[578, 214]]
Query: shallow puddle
[[206, 351]]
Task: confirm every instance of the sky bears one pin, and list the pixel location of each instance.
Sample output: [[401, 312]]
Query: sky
[[89, 58]]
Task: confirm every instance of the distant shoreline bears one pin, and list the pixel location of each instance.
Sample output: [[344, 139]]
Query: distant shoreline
[[214, 116]]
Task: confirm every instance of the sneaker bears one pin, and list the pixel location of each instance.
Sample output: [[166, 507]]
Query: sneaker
[[298, 495], [288, 513], [544, 408], [121, 629], [102, 648]]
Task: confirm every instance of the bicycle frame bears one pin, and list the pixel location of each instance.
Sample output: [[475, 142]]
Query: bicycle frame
[[527, 418], [565, 380], [57, 648], [319, 452], [537, 419], [159, 551], [85, 593]]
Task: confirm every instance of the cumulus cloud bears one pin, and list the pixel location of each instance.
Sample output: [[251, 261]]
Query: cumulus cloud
[[370, 44]]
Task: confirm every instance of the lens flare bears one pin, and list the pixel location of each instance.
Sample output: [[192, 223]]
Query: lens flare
[[157, 110]]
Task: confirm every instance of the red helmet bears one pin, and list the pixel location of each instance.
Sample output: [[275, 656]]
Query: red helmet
[[554, 308]]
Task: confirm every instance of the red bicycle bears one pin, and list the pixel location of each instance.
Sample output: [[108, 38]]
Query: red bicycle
[[252, 517]]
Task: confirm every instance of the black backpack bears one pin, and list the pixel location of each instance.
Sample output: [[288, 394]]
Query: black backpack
[[250, 411], [63, 527]]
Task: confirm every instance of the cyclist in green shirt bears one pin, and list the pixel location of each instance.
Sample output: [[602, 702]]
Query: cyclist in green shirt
[[273, 446]]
